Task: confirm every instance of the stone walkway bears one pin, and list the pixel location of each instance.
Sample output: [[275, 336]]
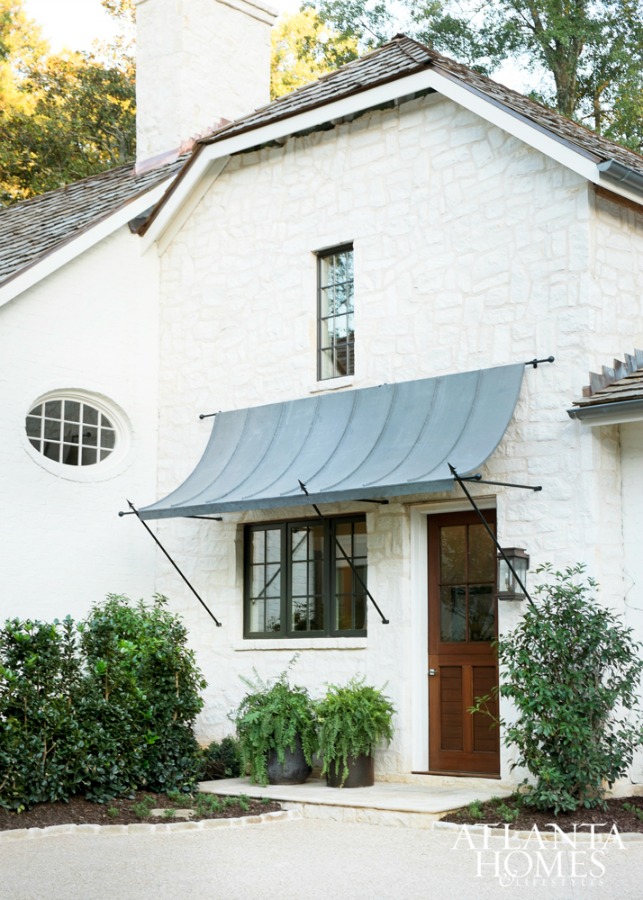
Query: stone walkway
[[305, 859]]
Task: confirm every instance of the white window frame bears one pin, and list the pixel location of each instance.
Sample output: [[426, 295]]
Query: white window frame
[[100, 470]]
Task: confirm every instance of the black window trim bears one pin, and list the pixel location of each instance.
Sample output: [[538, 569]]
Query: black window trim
[[321, 255], [285, 526]]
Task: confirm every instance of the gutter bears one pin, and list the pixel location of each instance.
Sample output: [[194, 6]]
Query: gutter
[[609, 413], [617, 173]]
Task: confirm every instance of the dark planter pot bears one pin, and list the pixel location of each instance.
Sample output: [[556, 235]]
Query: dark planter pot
[[293, 770], [361, 773]]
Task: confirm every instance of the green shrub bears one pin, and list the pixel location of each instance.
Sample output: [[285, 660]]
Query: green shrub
[[221, 759], [101, 708], [572, 670]]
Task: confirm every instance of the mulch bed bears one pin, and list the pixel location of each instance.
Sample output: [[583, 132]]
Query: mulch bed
[[125, 811], [616, 813]]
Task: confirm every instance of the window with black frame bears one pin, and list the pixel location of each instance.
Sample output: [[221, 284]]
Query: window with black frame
[[335, 313], [306, 578]]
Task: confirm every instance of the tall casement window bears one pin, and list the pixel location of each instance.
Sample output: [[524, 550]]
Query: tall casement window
[[335, 325], [299, 583]]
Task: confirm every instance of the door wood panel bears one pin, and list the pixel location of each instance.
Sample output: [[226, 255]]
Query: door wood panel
[[463, 617]]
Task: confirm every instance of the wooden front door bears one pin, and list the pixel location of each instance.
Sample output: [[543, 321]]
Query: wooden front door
[[463, 623]]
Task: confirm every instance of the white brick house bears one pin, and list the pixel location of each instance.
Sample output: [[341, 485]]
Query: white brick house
[[458, 228]]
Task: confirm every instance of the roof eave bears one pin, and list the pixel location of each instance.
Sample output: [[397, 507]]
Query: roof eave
[[428, 78], [609, 413], [78, 243]]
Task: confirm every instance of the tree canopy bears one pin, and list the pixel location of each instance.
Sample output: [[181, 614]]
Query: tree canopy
[[62, 116], [305, 48]]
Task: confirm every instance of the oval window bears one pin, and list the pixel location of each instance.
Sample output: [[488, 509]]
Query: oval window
[[71, 431]]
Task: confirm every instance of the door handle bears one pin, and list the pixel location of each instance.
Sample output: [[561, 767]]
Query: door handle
[[433, 671]]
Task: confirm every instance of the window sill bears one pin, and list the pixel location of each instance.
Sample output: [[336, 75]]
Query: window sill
[[295, 644], [332, 384]]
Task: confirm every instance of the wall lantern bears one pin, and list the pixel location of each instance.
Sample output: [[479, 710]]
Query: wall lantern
[[511, 587]]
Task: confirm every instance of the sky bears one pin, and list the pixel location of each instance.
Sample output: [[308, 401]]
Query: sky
[[74, 24]]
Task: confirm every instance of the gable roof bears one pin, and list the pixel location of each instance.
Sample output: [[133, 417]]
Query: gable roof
[[74, 217], [32, 229], [401, 69], [403, 56]]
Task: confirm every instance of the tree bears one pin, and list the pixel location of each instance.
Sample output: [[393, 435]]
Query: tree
[[61, 117], [585, 57], [304, 49]]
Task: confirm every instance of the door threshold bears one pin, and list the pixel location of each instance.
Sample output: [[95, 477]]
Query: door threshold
[[459, 774]]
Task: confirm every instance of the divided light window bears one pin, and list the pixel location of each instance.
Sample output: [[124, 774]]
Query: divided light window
[[335, 327], [298, 583], [70, 432]]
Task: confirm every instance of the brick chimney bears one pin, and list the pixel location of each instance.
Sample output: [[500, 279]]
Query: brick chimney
[[198, 61]]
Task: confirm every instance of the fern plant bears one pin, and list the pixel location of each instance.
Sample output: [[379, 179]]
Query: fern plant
[[351, 719], [271, 716]]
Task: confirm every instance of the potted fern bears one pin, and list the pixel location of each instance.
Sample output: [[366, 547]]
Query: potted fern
[[277, 731], [351, 720]]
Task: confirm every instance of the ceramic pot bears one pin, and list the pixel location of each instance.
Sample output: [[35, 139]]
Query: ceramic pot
[[361, 773], [293, 770]]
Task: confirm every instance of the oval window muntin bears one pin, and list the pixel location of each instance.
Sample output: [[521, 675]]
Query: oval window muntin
[[88, 458]]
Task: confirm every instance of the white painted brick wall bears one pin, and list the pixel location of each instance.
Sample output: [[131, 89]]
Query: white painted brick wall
[[92, 326]]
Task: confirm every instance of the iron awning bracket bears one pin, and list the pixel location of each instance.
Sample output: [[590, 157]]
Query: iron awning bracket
[[535, 362], [480, 480], [135, 512], [461, 482], [354, 571]]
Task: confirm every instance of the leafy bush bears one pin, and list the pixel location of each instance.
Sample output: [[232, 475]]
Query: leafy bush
[[222, 760], [351, 719], [270, 717], [571, 669], [99, 708]]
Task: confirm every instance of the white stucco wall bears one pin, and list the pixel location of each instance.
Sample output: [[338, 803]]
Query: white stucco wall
[[198, 61], [91, 326], [471, 250]]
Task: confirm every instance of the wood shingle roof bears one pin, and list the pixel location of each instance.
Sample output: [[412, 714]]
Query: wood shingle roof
[[31, 230]]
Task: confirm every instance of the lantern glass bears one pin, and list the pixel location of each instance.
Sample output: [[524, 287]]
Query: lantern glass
[[509, 587]]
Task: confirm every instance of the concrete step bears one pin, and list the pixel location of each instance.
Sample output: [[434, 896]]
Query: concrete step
[[414, 805]]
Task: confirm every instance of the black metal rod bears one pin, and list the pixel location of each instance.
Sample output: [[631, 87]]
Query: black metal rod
[[490, 533], [209, 518], [207, 415], [162, 548], [385, 621], [534, 362], [480, 480]]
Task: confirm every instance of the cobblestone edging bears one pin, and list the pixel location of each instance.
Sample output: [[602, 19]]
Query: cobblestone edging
[[149, 827], [625, 836]]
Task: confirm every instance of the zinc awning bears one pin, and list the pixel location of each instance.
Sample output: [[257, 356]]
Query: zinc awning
[[372, 443]]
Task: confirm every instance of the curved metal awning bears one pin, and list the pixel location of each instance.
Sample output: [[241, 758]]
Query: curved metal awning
[[386, 441]]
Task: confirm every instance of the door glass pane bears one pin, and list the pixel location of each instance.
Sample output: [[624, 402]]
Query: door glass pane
[[453, 554], [482, 604], [482, 555], [453, 613]]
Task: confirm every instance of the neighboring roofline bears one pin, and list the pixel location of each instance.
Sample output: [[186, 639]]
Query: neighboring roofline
[[79, 242], [608, 413], [428, 78]]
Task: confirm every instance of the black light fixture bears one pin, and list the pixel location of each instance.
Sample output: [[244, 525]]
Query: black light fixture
[[513, 563]]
